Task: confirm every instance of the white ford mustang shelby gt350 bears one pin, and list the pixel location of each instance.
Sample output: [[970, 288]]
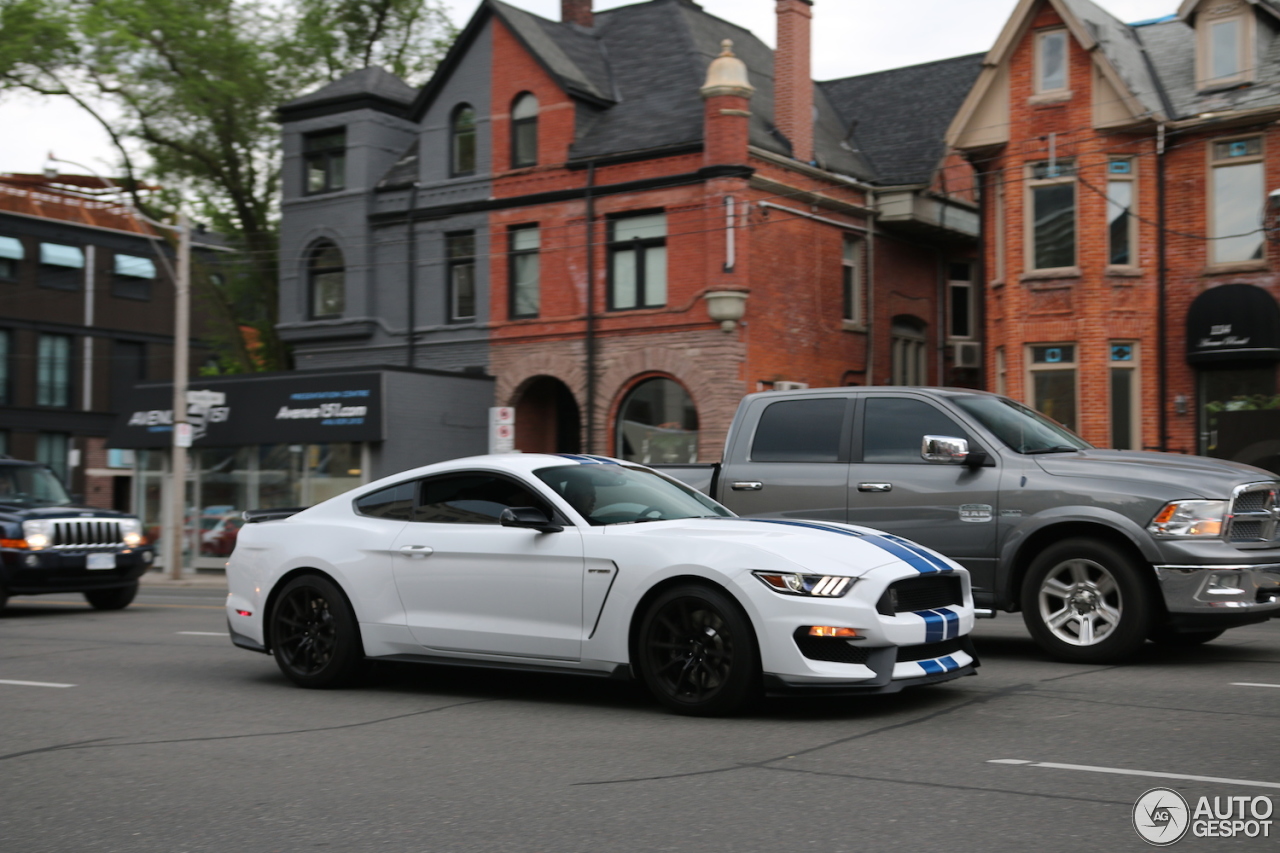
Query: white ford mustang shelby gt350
[[589, 565]]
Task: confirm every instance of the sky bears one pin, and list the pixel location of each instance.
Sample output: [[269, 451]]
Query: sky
[[849, 37]]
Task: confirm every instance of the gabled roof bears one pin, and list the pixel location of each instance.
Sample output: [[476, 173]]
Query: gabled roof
[[1172, 48], [898, 118], [1187, 11]]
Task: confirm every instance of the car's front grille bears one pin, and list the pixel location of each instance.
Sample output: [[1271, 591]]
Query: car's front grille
[[929, 651], [87, 534], [927, 592], [1255, 514], [832, 649]]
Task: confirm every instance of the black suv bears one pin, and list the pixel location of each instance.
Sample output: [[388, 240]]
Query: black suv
[[49, 545]]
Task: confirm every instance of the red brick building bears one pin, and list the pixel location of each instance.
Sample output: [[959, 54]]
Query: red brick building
[[1125, 172], [632, 218]]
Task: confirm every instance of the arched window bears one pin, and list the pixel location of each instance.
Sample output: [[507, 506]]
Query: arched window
[[462, 135], [524, 131], [658, 424], [326, 281]]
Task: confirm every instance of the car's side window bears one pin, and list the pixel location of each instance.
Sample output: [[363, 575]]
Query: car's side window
[[893, 429], [472, 499], [801, 431], [394, 502]]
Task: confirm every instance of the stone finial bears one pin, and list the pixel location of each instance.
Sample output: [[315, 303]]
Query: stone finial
[[727, 75]]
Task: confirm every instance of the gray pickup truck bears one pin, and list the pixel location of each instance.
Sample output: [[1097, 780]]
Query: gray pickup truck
[[1099, 549]]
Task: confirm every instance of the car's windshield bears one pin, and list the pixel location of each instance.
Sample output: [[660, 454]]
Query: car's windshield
[[1023, 429], [31, 485], [619, 494]]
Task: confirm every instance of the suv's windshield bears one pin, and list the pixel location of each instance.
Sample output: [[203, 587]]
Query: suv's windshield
[[1024, 430], [31, 485], [620, 494]]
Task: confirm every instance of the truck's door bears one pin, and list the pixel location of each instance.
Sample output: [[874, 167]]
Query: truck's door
[[948, 507], [794, 463]]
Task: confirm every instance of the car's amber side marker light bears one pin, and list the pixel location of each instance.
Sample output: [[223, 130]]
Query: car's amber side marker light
[[829, 631]]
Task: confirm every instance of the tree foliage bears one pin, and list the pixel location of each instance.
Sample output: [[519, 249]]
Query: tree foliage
[[187, 91]]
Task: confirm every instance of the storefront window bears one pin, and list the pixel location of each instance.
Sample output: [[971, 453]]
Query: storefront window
[[658, 424]]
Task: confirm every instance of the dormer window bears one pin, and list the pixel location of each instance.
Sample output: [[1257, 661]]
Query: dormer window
[[1051, 62], [1224, 49], [325, 158], [1224, 38]]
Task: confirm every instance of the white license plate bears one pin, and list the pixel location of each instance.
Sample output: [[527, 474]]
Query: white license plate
[[101, 561]]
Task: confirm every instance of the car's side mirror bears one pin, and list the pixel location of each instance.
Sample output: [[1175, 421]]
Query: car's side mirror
[[944, 448], [528, 517]]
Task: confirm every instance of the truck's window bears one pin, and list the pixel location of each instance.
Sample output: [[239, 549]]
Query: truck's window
[[894, 428], [1024, 430], [800, 431]]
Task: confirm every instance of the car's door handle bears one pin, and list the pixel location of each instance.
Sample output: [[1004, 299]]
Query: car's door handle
[[747, 486], [416, 550], [875, 487]]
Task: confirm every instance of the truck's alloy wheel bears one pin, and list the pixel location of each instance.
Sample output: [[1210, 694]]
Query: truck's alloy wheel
[[1085, 601], [116, 598], [697, 652], [314, 635]]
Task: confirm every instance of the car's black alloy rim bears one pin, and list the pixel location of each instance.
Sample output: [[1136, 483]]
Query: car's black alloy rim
[[306, 633], [690, 650]]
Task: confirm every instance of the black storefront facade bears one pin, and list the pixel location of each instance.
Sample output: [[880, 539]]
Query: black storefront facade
[[292, 439], [1233, 343]]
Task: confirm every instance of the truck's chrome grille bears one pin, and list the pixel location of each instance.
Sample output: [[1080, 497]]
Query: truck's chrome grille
[[87, 534], [1255, 514]]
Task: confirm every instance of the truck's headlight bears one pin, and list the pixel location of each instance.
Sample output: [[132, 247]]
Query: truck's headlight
[[131, 533], [1189, 518], [38, 533], [817, 586]]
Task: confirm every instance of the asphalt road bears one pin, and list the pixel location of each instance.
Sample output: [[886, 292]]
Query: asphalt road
[[145, 730]]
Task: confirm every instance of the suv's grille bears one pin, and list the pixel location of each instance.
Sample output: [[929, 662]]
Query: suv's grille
[[87, 534], [926, 592], [1253, 516], [928, 651]]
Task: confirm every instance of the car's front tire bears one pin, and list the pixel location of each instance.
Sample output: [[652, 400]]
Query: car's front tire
[[116, 598], [314, 635], [697, 652], [1084, 601]]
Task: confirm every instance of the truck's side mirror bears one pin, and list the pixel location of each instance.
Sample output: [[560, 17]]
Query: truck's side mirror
[[944, 448], [528, 517]]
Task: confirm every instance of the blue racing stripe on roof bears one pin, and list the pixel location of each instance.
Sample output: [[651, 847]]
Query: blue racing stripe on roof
[[583, 460], [924, 554], [906, 555], [812, 525]]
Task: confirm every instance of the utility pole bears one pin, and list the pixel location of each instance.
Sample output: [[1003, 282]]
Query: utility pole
[[176, 534]]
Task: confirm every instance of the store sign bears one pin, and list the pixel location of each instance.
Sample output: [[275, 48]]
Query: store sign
[[277, 408], [502, 429], [1233, 322]]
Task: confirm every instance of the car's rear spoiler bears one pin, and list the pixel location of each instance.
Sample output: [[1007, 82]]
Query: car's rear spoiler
[[254, 515]]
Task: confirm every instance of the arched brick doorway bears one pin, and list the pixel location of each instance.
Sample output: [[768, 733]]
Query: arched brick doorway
[[547, 418]]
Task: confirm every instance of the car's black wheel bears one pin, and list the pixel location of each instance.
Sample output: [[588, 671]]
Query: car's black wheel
[[1166, 636], [697, 652], [4, 598], [116, 598], [314, 635], [1085, 601]]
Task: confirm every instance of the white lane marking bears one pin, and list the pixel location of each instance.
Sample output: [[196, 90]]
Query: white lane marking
[[1250, 684], [34, 683], [1120, 771], [203, 633]]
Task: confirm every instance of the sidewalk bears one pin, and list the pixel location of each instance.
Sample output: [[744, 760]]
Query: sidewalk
[[201, 580]]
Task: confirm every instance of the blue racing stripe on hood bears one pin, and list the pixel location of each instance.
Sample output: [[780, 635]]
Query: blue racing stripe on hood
[[812, 525], [922, 552], [907, 555]]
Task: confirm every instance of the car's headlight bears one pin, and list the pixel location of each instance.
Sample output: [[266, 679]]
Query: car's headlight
[[38, 533], [817, 586], [1189, 518], [131, 533]]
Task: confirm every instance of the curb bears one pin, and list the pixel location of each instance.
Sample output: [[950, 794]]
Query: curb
[[162, 580]]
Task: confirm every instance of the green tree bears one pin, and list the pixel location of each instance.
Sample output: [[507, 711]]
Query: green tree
[[187, 91]]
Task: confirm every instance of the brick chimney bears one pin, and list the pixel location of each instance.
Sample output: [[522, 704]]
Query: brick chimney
[[793, 77], [577, 12]]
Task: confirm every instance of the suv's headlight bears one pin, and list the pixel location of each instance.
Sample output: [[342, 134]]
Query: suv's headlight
[[1189, 518], [817, 586], [38, 533], [131, 532]]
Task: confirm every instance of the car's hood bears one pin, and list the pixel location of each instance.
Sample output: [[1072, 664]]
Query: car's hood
[[816, 546], [1198, 475]]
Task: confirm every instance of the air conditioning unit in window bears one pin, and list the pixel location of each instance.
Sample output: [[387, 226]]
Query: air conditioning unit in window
[[966, 354], [790, 386]]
